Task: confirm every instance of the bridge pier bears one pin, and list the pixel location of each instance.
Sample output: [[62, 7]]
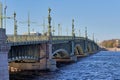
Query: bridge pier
[[4, 48], [51, 63], [73, 58]]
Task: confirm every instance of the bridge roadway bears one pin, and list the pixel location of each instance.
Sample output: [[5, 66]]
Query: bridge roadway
[[37, 52]]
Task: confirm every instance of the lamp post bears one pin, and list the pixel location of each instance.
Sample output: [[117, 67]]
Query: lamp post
[[73, 30], [5, 8], [49, 23], [86, 33], [79, 33], [15, 24], [1, 16]]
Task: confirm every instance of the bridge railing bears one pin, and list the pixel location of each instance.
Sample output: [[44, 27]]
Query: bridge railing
[[83, 38], [66, 38], [61, 37], [80, 38], [23, 38]]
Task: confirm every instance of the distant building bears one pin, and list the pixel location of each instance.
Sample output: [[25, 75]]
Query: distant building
[[33, 33], [118, 43]]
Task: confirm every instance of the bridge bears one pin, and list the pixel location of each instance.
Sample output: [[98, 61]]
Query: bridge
[[34, 50], [38, 52]]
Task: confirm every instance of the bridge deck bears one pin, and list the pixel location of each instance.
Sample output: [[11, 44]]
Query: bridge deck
[[35, 39]]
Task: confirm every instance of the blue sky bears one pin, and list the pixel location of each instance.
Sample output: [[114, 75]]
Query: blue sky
[[101, 17]]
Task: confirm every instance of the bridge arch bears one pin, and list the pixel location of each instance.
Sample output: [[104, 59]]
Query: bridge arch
[[78, 50], [60, 53]]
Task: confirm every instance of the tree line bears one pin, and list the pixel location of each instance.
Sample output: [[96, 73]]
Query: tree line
[[110, 43]]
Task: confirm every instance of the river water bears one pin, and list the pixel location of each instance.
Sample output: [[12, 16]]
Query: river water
[[104, 65]]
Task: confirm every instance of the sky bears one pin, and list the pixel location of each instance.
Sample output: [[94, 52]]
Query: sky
[[101, 17]]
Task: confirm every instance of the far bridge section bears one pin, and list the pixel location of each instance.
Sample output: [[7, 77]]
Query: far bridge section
[[30, 52]]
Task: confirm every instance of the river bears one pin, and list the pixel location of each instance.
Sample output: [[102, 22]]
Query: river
[[104, 65]]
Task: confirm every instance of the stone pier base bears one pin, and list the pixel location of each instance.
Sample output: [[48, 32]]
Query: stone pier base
[[73, 58], [51, 65], [4, 49], [42, 65]]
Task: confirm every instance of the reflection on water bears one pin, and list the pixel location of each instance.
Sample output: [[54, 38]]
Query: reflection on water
[[104, 65]]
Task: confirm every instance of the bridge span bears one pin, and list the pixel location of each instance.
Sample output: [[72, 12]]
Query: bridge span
[[43, 54]]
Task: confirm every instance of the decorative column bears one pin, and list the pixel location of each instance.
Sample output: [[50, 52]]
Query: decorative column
[[51, 63], [4, 49], [73, 30], [73, 56], [49, 23], [49, 34], [15, 27], [1, 16], [28, 23], [93, 37], [79, 33], [73, 37], [58, 29], [86, 41]]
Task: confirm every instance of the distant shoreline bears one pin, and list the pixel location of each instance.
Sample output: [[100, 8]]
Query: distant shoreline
[[113, 49]]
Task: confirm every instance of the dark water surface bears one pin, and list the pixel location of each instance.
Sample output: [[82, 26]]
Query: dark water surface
[[104, 65]]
